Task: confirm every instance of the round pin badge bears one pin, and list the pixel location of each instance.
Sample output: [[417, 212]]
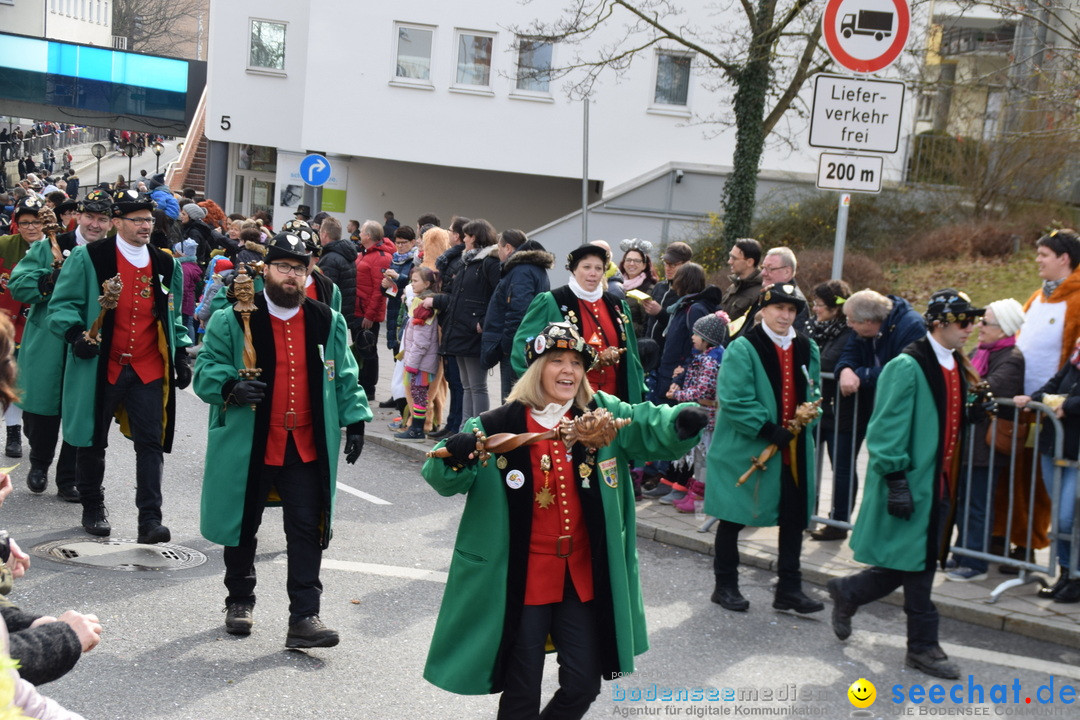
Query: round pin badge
[[515, 479], [540, 344]]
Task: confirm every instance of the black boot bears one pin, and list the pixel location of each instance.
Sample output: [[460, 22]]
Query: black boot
[[1049, 593], [37, 479], [1069, 593], [795, 599], [14, 442], [727, 596], [95, 520]]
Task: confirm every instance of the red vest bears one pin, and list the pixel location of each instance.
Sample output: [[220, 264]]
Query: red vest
[[600, 335], [559, 537], [311, 291], [135, 330], [787, 391], [954, 406], [290, 406]]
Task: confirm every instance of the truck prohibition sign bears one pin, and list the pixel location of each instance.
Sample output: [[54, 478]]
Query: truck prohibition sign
[[867, 22]]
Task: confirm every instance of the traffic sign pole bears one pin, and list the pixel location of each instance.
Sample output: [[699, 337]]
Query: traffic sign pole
[[841, 236]]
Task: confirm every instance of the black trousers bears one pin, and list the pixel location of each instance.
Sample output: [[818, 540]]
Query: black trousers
[[572, 625], [43, 431], [299, 486], [369, 370], [143, 402], [792, 522], [875, 583]]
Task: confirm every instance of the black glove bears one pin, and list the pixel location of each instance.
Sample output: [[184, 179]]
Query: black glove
[[247, 392], [977, 412], [778, 435], [182, 366], [690, 421], [900, 503], [46, 283], [460, 446], [82, 347], [354, 442]]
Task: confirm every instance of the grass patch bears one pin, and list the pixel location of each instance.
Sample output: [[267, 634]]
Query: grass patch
[[984, 279]]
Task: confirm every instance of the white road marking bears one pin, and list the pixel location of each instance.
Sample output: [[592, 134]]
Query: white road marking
[[363, 495], [993, 657], [408, 573]]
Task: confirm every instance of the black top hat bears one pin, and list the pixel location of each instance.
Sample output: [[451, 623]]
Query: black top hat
[[303, 211], [951, 305], [583, 251], [96, 201], [126, 201], [559, 336], [782, 293], [68, 205], [287, 246]]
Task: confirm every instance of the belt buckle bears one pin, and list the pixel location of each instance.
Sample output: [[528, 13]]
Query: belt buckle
[[559, 546], [124, 359], [290, 420]]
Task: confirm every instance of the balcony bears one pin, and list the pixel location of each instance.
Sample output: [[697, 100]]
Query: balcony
[[968, 41]]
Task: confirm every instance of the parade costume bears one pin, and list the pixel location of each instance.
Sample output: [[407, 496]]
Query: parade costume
[[279, 445], [132, 372], [546, 544]]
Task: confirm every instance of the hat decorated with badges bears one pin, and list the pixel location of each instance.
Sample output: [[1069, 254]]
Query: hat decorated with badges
[[951, 305], [306, 233], [559, 336], [128, 201], [287, 246], [96, 201], [783, 293], [29, 205], [583, 251], [303, 212]]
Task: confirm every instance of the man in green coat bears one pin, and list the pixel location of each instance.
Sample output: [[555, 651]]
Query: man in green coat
[[765, 375], [42, 354], [275, 434], [131, 368], [914, 443]]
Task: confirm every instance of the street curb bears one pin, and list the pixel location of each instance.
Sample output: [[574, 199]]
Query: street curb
[[1060, 630]]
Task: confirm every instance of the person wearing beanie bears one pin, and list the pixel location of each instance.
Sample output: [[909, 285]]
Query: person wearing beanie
[[192, 227], [915, 445], [767, 373], [698, 384], [1001, 365], [184, 251]]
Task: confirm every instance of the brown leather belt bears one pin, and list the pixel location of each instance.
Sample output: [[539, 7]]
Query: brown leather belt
[[558, 545], [290, 420]]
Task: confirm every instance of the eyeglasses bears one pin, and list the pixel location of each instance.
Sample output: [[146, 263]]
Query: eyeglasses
[[774, 268], [31, 224], [635, 261], [989, 324], [965, 324], [289, 269], [140, 220]]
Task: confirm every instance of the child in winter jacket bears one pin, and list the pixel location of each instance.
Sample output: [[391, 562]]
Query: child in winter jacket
[[698, 384], [420, 345]]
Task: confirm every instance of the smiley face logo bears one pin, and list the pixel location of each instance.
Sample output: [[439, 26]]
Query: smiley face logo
[[862, 693]]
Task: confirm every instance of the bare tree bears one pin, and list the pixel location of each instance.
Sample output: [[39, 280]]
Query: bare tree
[[760, 52], [158, 26]]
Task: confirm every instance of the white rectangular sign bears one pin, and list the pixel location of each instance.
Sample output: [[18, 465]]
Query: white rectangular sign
[[850, 173], [855, 114]]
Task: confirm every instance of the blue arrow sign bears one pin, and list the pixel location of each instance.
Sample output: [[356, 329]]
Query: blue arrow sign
[[314, 170]]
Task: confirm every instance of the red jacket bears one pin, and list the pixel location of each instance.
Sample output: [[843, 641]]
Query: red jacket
[[370, 301]]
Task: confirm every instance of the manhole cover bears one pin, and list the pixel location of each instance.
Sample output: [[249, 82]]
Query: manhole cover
[[120, 554]]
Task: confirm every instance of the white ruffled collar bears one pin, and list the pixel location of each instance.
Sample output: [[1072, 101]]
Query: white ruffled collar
[[583, 293], [550, 416]]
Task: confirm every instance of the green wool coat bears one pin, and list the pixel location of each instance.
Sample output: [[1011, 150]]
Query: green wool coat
[[236, 439], [42, 354], [75, 304], [481, 607], [748, 400], [905, 438], [561, 305]]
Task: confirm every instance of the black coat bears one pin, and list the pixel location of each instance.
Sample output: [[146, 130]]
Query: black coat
[[1005, 375], [338, 262], [467, 305], [1067, 383], [524, 276]]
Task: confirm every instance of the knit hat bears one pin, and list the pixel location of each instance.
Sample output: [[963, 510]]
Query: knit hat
[[1009, 314], [712, 328], [185, 248], [194, 211]]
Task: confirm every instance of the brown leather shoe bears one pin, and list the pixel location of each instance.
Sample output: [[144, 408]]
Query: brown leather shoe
[[311, 632], [826, 533]]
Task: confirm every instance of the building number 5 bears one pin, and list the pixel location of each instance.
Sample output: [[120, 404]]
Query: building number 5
[[226, 123]]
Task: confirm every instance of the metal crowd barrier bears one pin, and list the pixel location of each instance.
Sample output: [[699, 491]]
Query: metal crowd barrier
[[1000, 469]]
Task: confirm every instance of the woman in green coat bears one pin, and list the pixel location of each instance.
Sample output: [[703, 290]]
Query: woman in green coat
[[546, 544]]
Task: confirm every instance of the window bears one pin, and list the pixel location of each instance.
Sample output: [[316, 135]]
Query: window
[[474, 59], [994, 100], [267, 45], [534, 65], [924, 106], [414, 53], [672, 79]]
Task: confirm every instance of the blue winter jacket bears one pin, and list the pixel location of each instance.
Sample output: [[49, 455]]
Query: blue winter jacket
[[524, 276], [165, 201], [678, 345], [867, 356]]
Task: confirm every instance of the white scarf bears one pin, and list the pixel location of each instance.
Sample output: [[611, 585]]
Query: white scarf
[[137, 255], [550, 416], [583, 293], [782, 340], [279, 312], [943, 354]]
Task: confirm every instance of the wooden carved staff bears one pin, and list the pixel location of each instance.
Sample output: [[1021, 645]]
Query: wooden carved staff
[[51, 227], [110, 295], [243, 289], [804, 415], [594, 429]]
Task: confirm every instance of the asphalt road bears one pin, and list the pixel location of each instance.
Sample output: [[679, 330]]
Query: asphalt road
[[164, 653]]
